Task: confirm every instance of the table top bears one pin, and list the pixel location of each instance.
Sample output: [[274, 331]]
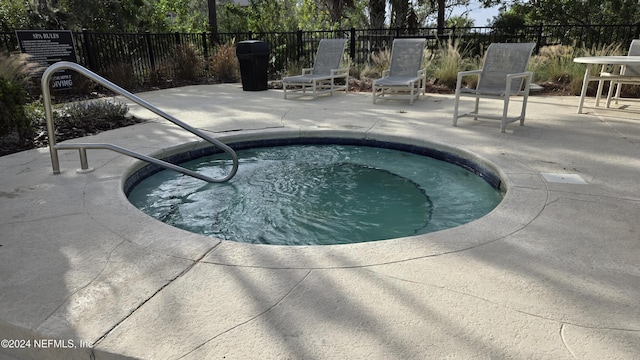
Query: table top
[[612, 60]]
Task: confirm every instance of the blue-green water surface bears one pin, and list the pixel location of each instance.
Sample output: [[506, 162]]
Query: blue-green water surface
[[317, 195]]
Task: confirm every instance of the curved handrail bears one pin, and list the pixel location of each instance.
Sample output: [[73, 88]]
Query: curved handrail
[[53, 147]]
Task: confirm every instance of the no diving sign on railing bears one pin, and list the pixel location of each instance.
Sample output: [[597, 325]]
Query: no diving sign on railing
[[48, 47]]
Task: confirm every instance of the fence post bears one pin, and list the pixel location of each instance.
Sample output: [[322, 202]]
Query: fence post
[[539, 38], [299, 45], [453, 35], [152, 60], [205, 49], [352, 49], [88, 49], [177, 35]]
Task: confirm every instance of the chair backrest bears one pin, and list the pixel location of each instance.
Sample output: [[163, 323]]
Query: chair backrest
[[329, 55], [502, 59], [406, 57], [634, 50]]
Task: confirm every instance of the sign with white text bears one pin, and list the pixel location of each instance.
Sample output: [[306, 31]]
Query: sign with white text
[[47, 47]]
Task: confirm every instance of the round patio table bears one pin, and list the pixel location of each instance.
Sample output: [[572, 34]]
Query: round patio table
[[605, 62]]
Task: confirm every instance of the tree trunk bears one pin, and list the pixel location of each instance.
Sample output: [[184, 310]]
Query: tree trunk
[[401, 12], [213, 21], [377, 13], [441, 6]]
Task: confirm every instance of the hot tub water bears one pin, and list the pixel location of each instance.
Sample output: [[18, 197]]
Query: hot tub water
[[318, 195]]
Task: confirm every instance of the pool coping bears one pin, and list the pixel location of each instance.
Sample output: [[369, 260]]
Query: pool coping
[[495, 225]]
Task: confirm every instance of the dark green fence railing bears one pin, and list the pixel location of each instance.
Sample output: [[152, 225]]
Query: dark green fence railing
[[146, 52]]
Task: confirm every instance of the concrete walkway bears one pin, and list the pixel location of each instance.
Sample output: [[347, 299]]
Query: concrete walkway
[[552, 273]]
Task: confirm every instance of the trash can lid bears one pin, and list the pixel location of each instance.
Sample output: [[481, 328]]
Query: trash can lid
[[252, 47]]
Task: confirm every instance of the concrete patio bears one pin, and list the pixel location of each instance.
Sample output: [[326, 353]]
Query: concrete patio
[[552, 273]]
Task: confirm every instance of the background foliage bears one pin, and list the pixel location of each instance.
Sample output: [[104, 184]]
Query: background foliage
[[290, 15]]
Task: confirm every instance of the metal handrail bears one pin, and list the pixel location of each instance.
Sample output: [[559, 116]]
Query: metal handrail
[[53, 147]]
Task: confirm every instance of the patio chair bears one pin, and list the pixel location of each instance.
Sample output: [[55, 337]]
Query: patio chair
[[326, 70], [503, 75], [404, 78], [629, 75]]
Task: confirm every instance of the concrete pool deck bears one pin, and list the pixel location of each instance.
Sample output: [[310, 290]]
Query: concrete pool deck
[[552, 273]]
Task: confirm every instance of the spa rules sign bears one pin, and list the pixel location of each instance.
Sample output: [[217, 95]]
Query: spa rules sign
[[48, 47]]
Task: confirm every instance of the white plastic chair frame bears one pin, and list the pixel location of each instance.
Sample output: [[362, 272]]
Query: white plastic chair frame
[[326, 70], [503, 75], [405, 78], [629, 75]]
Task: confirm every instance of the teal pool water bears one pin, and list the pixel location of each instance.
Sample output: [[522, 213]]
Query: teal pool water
[[317, 195]]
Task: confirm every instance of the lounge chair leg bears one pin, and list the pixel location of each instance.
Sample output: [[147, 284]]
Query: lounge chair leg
[[523, 112], [610, 93], [505, 112], [455, 107], [599, 91], [525, 98], [618, 90], [476, 108]]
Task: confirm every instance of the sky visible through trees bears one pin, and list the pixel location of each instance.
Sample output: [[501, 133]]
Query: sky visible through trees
[[480, 16]]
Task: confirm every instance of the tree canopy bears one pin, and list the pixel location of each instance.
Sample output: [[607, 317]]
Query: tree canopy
[[584, 12], [290, 15]]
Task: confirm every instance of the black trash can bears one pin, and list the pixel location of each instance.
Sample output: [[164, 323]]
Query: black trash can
[[253, 56]]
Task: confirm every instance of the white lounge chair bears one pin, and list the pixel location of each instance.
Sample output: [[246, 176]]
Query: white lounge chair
[[405, 77], [326, 70], [629, 74], [503, 75]]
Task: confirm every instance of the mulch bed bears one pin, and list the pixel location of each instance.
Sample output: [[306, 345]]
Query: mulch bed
[[40, 138]]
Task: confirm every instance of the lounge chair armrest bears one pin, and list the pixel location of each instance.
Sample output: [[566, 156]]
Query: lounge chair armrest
[[307, 71], [511, 77], [422, 72], [339, 72], [462, 74], [519, 75], [385, 73]]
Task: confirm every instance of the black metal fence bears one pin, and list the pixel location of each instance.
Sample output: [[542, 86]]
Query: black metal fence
[[145, 52]]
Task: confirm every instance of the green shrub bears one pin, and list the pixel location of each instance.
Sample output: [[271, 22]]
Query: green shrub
[[355, 70], [15, 71], [380, 61], [188, 62], [12, 118], [82, 85], [34, 113], [294, 68], [447, 61], [160, 75], [121, 74], [224, 64], [554, 64], [91, 115]]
